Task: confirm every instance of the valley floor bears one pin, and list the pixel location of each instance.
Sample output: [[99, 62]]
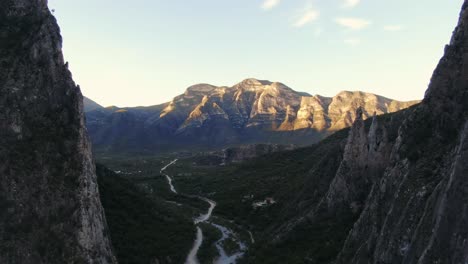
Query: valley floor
[[215, 238], [235, 209]]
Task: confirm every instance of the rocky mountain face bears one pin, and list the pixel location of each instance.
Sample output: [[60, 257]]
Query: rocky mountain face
[[365, 157], [390, 189], [51, 211], [401, 182], [252, 111], [416, 211], [339, 176]]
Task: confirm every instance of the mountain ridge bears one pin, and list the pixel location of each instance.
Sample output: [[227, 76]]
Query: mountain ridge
[[252, 111], [90, 105], [200, 86]]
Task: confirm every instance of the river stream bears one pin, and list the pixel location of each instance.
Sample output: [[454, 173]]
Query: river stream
[[227, 233]]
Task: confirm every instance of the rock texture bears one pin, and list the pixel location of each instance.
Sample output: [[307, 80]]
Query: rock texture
[[252, 111], [365, 157], [416, 211], [51, 212], [399, 193], [341, 186]]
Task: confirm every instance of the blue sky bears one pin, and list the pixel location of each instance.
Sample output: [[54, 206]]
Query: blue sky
[[145, 52]]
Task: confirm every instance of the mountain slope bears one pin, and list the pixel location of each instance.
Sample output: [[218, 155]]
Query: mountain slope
[[302, 225], [391, 189], [144, 227], [90, 105], [51, 211], [252, 111], [400, 184], [416, 212]]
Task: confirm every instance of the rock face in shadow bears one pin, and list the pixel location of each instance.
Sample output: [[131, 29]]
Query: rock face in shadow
[[399, 193], [340, 187], [49, 200], [417, 211], [365, 157]]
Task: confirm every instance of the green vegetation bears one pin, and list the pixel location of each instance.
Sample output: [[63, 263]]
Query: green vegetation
[[285, 177], [143, 228], [208, 248], [296, 181]]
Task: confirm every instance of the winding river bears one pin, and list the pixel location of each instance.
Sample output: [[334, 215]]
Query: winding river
[[169, 179], [223, 257]]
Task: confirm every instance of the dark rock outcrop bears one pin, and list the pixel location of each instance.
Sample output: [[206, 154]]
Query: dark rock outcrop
[[340, 194], [399, 193], [365, 157], [49, 200], [417, 211]]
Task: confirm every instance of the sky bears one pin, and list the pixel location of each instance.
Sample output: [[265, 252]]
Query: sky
[[145, 52]]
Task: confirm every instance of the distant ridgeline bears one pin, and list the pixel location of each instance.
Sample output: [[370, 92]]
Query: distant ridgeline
[[253, 111]]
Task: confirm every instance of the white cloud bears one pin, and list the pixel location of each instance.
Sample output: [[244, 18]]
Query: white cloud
[[308, 15], [353, 23], [270, 4], [393, 27], [352, 41], [351, 3]]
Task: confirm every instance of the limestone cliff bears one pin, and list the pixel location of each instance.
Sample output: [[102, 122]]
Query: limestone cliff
[[51, 211], [345, 187], [252, 111], [274, 106], [416, 212], [399, 192], [365, 156]]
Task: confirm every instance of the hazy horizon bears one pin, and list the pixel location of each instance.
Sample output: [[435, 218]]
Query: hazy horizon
[[143, 52]]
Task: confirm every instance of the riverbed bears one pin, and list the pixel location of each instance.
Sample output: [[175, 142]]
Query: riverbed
[[227, 233]]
